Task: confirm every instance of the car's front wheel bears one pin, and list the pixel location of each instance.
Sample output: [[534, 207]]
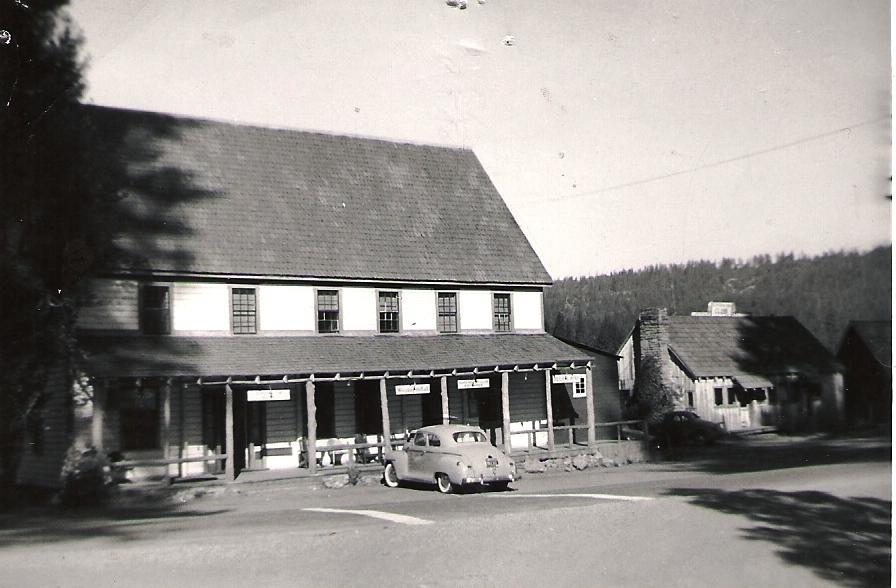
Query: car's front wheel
[[444, 483], [390, 477]]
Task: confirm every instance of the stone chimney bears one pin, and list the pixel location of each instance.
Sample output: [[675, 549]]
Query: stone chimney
[[653, 340]]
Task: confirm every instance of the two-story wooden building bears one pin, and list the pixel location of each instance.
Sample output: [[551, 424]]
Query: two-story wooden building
[[281, 295]]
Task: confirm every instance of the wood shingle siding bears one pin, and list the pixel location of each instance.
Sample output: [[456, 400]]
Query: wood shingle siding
[[111, 305], [281, 421], [527, 399], [43, 467]]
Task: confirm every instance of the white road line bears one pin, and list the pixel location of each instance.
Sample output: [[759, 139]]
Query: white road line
[[376, 514], [595, 496]]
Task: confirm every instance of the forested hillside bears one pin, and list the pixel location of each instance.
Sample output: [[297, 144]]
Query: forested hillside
[[824, 293]]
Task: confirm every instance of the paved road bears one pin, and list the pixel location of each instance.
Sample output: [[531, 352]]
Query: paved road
[[781, 513]]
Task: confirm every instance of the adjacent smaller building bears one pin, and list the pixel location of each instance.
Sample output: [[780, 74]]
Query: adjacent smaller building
[[866, 352], [741, 371]]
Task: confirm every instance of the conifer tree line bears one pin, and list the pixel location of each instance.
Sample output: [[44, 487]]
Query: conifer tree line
[[823, 292]]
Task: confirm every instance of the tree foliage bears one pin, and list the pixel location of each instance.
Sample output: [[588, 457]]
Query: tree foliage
[[824, 293], [52, 229]]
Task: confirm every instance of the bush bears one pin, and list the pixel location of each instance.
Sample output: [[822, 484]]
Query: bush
[[85, 477]]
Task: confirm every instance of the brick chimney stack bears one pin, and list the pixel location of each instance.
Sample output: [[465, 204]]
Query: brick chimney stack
[[653, 340]]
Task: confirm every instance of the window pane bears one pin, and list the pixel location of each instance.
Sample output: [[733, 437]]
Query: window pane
[[501, 304], [155, 311], [388, 312], [719, 400], [244, 311], [447, 306], [327, 311]]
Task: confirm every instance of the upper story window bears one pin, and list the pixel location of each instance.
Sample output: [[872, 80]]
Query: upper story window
[[388, 312], [155, 310], [447, 312], [244, 311], [501, 308], [328, 311]]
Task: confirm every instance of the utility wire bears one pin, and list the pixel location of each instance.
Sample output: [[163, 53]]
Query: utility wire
[[707, 165]]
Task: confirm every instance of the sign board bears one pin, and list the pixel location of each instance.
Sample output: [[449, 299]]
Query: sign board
[[565, 378], [267, 395], [477, 383], [411, 389]]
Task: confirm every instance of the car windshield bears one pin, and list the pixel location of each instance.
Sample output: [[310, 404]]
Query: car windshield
[[469, 437]]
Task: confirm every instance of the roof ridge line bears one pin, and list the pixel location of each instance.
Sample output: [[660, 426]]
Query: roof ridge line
[[285, 129]]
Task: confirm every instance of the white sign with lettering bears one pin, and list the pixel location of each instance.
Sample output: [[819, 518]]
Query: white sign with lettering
[[468, 384], [565, 378], [267, 395], [403, 389]]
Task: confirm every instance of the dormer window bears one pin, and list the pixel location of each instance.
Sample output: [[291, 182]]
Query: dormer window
[[501, 308], [155, 310]]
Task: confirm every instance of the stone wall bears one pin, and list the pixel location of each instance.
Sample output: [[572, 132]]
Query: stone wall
[[653, 341]]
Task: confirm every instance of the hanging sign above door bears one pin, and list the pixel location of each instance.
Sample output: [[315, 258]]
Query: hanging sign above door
[[267, 395], [411, 389], [468, 384]]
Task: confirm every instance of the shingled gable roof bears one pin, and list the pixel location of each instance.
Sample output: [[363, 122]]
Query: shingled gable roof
[[877, 337], [140, 356], [748, 349], [226, 199]]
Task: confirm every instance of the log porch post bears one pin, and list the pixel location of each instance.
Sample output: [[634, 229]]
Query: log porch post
[[446, 417], [505, 411], [384, 409], [166, 425], [589, 405], [311, 416], [230, 465], [550, 408], [97, 424]]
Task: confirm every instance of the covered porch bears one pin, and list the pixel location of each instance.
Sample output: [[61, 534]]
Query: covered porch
[[360, 396]]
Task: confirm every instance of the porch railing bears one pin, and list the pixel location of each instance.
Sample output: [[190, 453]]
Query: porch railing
[[621, 431]]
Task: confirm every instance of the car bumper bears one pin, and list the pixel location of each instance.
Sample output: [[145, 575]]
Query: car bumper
[[486, 479]]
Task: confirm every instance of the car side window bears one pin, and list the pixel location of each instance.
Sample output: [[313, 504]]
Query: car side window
[[420, 439], [434, 441]]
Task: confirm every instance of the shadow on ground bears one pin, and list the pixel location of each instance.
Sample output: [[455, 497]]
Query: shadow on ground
[[42, 525], [756, 454], [845, 540]]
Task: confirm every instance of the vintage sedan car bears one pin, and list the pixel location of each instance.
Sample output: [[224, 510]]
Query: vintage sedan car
[[451, 457], [682, 427]]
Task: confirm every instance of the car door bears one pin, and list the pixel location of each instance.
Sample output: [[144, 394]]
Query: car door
[[434, 452], [416, 451]]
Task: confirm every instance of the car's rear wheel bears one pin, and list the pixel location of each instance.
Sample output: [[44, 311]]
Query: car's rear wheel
[[444, 483], [389, 476], [500, 486]]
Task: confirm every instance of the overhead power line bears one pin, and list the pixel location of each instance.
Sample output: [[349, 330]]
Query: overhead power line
[[706, 165]]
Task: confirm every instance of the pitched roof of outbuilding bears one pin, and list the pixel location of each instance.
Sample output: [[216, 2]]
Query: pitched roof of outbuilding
[[207, 197], [748, 349], [141, 356], [877, 337]]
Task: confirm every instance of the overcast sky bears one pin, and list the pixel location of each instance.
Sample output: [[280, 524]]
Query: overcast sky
[[621, 134]]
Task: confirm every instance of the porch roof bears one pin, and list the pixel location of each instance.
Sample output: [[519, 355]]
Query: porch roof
[[142, 356]]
